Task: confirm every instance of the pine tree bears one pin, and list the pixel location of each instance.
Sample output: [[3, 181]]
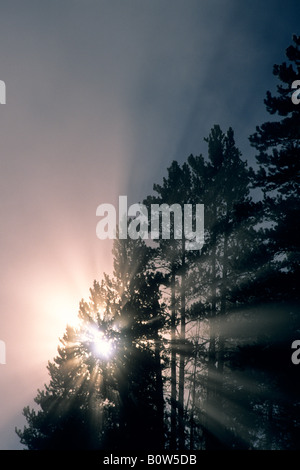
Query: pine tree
[[224, 182], [106, 384], [69, 407], [126, 310], [172, 262], [139, 321], [278, 146]]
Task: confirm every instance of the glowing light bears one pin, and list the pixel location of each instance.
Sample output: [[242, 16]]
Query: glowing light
[[101, 346]]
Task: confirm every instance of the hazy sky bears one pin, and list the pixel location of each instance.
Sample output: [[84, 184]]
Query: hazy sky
[[101, 97]]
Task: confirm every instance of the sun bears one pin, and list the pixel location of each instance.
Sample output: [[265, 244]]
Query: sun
[[100, 346]]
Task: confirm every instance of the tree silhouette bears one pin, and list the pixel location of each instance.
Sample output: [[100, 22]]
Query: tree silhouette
[[224, 179], [278, 145], [191, 349], [172, 262], [106, 387], [138, 320], [69, 414]]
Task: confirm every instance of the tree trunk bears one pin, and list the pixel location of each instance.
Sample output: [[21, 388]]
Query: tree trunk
[[173, 366], [159, 396], [211, 372], [223, 306], [181, 427], [192, 419]]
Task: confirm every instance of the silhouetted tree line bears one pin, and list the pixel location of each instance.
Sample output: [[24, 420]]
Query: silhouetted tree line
[[200, 341]]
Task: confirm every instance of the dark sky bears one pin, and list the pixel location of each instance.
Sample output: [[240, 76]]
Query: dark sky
[[101, 97]]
